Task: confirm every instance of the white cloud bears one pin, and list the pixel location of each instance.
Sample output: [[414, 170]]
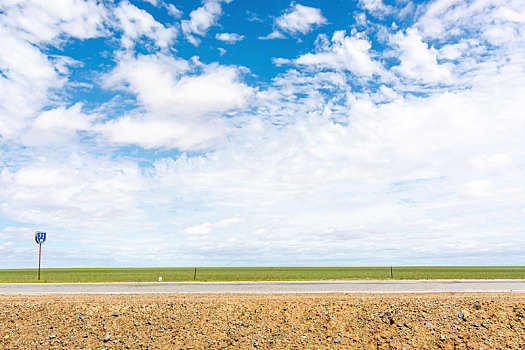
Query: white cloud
[[499, 35], [177, 96], [24, 83], [202, 19], [173, 11], [375, 6], [476, 31], [207, 227], [446, 19], [57, 126], [65, 191], [351, 53], [29, 75], [452, 51], [151, 77], [152, 2], [491, 161], [11, 234], [151, 132], [164, 83], [297, 19], [418, 61], [477, 189], [230, 38], [477, 36], [45, 21], [273, 35], [220, 87], [300, 19], [137, 23]]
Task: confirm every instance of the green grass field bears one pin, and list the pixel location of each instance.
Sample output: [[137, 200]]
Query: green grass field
[[261, 273]]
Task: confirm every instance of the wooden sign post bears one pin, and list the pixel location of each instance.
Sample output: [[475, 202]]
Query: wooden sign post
[[40, 238]]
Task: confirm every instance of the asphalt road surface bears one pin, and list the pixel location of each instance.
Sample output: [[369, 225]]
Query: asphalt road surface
[[422, 286]]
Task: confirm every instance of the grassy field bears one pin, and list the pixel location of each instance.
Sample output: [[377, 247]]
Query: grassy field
[[261, 273]]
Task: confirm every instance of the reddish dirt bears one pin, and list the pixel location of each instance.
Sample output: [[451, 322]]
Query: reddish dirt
[[264, 321]]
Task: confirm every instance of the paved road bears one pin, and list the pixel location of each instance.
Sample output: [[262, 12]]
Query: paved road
[[268, 287]]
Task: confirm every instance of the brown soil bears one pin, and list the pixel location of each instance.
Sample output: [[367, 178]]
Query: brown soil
[[264, 321]]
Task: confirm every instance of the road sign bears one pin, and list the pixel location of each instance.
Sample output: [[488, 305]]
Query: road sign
[[40, 237]]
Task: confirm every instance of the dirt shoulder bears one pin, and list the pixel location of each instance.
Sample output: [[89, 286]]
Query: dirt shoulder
[[264, 321]]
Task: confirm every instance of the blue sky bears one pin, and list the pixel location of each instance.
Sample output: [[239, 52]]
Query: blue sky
[[236, 133]]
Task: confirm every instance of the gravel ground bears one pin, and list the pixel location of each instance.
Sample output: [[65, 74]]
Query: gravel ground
[[264, 321]]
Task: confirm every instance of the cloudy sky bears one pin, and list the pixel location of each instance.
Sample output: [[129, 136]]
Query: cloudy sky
[[255, 133]]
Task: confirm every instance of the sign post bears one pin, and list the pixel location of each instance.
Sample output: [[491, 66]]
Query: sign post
[[40, 238]]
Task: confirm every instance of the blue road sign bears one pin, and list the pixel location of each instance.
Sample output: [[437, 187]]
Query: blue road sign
[[40, 237]]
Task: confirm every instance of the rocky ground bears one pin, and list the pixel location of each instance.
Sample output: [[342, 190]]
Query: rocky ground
[[264, 321]]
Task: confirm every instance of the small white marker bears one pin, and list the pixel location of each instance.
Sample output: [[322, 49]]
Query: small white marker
[[160, 279]]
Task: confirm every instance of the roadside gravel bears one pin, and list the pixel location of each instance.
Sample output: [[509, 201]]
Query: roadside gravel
[[264, 321]]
